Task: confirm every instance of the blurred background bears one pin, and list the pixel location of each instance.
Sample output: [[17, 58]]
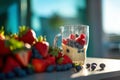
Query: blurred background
[[46, 16]]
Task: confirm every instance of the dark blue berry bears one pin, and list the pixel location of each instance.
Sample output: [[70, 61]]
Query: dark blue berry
[[16, 70], [59, 67], [78, 68], [87, 65], [93, 67], [10, 75], [21, 73], [29, 70], [71, 43], [36, 54], [69, 65], [2, 76], [50, 68], [64, 68], [102, 65]]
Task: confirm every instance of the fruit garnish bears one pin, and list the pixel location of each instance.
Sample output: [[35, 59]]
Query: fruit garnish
[[81, 41], [82, 36]]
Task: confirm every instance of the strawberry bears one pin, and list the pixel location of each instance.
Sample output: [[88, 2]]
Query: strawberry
[[81, 39], [27, 35], [60, 54], [64, 60], [39, 65], [50, 60], [4, 49], [72, 36], [64, 41], [83, 42], [23, 57], [10, 64], [82, 36], [42, 48]]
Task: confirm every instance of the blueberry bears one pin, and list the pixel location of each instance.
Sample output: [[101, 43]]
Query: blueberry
[[87, 65], [2, 76], [50, 68], [78, 68], [93, 67], [77, 45], [71, 43], [102, 65], [29, 70], [69, 66], [21, 73], [17, 69], [64, 68], [59, 67], [10, 75], [36, 54]]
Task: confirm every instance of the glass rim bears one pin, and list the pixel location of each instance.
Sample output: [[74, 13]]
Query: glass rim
[[75, 25]]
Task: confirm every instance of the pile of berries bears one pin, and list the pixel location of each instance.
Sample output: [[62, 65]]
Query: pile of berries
[[75, 40], [22, 54]]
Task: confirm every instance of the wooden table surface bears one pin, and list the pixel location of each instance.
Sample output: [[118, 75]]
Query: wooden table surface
[[112, 69]]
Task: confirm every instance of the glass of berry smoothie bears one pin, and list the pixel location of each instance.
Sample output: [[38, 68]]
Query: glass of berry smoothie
[[75, 42]]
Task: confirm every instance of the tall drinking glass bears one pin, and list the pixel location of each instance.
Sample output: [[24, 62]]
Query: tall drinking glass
[[75, 42]]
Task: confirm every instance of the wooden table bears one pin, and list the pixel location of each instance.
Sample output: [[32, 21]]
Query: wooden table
[[111, 72]]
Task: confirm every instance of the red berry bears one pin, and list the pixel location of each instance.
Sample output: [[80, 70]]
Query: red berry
[[82, 42], [28, 37], [64, 60], [39, 65], [82, 36], [50, 60], [72, 36], [42, 48], [4, 49], [23, 57], [64, 41], [10, 64], [60, 54]]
